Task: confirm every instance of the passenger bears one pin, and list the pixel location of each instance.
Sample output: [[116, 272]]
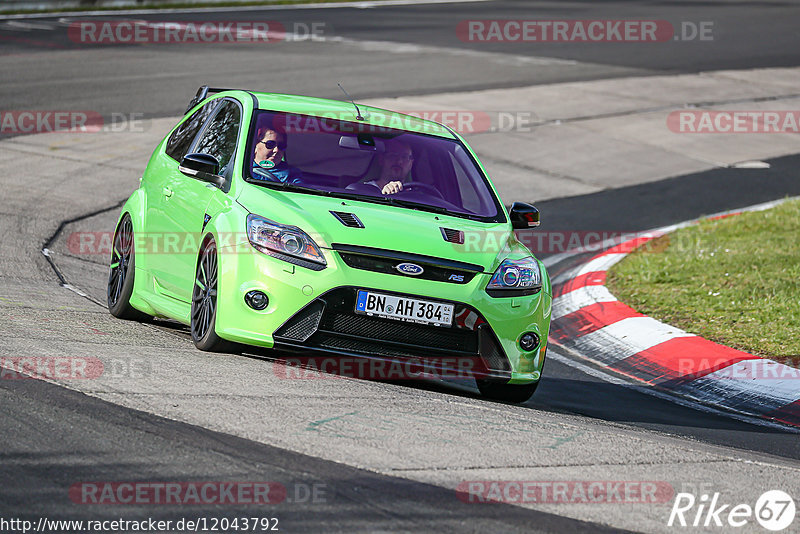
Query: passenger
[[269, 153]]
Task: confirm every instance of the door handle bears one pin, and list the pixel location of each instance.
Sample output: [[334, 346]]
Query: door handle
[[167, 192]]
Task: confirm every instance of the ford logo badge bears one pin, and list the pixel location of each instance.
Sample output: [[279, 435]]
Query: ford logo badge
[[411, 269]]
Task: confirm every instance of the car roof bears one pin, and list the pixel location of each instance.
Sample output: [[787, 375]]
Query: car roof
[[323, 107]]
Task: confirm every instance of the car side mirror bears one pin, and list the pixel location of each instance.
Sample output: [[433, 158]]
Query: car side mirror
[[524, 216], [203, 167]]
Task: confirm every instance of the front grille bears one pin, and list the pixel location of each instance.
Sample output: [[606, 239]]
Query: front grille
[[367, 348], [386, 261], [330, 323], [387, 266], [373, 327]]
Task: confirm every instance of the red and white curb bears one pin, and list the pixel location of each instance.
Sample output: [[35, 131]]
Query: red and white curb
[[590, 322]]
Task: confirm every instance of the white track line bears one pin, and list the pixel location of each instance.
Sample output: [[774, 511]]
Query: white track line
[[580, 298], [412, 48], [281, 7], [628, 337], [14, 25]]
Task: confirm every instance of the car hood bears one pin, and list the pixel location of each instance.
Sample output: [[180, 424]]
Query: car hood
[[385, 227]]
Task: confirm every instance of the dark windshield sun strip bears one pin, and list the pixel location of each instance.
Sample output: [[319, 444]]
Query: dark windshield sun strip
[[283, 186]]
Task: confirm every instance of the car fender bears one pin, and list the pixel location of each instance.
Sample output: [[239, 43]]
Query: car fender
[[135, 206], [220, 228]]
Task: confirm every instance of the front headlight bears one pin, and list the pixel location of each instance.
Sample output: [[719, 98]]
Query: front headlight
[[515, 278], [284, 242]]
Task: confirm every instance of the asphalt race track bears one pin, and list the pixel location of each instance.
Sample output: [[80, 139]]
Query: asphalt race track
[[122, 78], [382, 456]]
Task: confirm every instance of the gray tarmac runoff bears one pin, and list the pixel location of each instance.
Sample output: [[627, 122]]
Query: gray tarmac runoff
[[390, 456]]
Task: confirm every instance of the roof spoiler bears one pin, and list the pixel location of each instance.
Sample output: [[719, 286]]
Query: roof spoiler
[[203, 93]]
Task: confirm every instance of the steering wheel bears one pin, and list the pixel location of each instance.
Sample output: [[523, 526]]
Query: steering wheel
[[423, 186]]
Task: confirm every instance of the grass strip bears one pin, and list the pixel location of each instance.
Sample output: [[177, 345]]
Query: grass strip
[[735, 281]]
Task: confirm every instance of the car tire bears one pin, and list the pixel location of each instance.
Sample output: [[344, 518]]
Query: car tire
[[203, 316], [122, 270], [501, 391]]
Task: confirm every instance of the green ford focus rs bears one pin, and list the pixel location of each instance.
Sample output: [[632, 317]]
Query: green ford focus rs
[[320, 227]]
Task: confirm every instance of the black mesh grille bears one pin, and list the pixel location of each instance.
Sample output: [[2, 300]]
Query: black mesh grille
[[387, 330], [331, 323], [348, 219], [370, 348], [490, 351], [304, 324]]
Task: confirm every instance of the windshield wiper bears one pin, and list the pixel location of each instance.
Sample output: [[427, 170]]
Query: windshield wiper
[[404, 203], [365, 198], [285, 186], [436, 209], [391, 201], [418, 205], [303, 188]]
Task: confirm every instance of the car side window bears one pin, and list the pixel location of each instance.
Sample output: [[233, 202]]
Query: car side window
[[181, 139], [220, 136]]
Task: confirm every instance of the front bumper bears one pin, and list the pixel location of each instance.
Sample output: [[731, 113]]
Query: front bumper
[[314, 311]]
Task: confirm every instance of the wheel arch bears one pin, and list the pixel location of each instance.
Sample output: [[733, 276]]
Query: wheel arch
[[135, 208], [209, 340]]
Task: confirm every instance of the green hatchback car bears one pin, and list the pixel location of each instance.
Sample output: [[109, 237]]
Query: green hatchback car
[[320, 227]]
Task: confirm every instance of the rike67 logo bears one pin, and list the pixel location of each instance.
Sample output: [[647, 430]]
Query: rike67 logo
[[774, 510]]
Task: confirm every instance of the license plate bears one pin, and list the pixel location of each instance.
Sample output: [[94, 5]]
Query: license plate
[[406, 309]]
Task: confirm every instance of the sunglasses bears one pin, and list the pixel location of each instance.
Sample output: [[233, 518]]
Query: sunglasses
[[399, 156], [272, 144]]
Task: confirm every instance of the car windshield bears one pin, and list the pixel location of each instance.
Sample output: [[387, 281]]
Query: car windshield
[[378, 164]]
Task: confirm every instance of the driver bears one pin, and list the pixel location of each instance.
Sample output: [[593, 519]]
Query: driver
[[395, 164], [268, 154]]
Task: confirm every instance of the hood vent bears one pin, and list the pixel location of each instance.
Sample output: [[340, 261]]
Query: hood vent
[[453, 236], [348, 219]]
